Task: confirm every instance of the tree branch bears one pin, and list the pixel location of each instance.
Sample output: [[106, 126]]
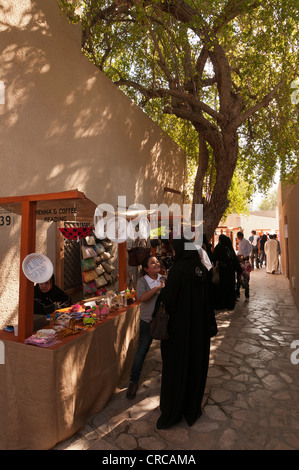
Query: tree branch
[[179, 95], [202, 125], [161, 62], [262, 104], [223, 77], [231, 10], [183, 12]]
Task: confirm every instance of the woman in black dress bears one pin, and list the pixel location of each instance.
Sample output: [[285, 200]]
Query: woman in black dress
[[185, 355], [224, 293]]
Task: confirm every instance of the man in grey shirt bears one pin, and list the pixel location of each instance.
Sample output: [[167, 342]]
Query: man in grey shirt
[[254, 239]]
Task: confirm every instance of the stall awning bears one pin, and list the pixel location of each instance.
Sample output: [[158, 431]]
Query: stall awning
[[72, 206]]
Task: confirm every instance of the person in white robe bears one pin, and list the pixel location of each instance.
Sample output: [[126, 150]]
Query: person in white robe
[[271, 251]]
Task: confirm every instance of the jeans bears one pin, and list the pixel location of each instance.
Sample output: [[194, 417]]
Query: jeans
[[262, 257], [255, 254], [145, 340], [238, 288], [243, 280]]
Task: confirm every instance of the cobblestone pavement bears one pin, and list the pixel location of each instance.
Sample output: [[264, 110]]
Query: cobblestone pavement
[[251, 399]]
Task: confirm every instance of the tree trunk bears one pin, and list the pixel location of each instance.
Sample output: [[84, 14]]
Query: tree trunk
[[226, 160], [203, 161]]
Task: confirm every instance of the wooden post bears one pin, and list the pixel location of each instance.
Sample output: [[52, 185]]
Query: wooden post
[[59, 277], [26, 293], [122, 266]]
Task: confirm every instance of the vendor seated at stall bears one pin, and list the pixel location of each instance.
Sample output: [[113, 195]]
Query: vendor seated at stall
[[48, 297]]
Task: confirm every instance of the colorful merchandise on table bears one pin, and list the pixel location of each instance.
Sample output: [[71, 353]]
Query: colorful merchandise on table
[[43, 338], [65, 321]]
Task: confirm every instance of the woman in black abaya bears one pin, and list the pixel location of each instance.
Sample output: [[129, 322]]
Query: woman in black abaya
[[185, 355], [224, 293]]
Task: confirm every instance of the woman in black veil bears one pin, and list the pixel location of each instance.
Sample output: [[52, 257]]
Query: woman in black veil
[[224, 293], [185, 355]]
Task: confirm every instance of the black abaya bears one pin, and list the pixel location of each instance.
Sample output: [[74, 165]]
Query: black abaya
[[224, 293], [185, 355]]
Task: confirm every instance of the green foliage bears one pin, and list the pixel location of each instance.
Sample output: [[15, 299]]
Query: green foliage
[[163, 55], [239, 195], [69, 8], [270, 202]]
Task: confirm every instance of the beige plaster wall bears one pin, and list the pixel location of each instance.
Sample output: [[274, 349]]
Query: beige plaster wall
[[289, 230], [263, 221], [64, 125]]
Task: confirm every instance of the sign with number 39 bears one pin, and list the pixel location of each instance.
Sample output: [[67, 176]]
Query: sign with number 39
[[5, 219]]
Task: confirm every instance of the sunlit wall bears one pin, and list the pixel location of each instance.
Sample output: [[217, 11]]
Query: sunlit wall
[[64, 125]]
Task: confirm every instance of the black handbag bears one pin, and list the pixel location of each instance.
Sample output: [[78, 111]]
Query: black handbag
[[215, 275], [159, 323]]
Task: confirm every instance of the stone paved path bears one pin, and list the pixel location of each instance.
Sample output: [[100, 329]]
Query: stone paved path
[[251, 399]]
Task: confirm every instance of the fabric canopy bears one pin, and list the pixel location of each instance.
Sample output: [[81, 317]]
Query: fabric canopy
[[73, 233]]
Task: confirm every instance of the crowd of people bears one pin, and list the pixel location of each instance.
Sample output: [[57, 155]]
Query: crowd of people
[[191, 294], [191, 297]]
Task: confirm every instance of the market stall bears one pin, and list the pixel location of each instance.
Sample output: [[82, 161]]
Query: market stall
[[47, 391], [31, 208], [47, 394]]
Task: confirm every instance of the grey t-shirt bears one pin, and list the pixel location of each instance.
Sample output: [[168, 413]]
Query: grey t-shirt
[[147, 308]]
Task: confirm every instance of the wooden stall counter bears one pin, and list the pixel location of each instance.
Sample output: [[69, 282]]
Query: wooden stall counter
[[47, 394]]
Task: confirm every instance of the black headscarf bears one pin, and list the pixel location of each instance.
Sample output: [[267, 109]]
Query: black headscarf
[[186, 253], [225, 254], [45, 302]]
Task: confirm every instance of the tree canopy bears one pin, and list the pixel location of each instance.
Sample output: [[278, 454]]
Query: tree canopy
[[269, 203], [222, 71]]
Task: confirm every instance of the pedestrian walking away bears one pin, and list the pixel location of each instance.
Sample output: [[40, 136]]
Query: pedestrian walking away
[[244, 252], [279, 252], [271, 250], [263, 240], [255, 244], [224, 293]]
